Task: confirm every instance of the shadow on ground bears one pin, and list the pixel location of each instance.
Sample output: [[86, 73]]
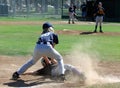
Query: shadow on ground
[[86, 33], [28, 83]]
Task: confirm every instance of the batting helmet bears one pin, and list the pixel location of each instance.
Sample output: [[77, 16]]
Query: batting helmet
[[47, 25]]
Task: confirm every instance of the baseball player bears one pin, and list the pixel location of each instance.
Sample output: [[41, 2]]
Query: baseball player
[[52, 70], [47, 67], [72, 13], [44, 48], [99, 17]]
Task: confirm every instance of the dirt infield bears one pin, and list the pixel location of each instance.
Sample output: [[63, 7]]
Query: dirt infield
[[10, 64], [38, 22]]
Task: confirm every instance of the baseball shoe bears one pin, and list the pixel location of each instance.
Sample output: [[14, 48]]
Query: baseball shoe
[[94, 31], [15, 76], [101, 31]]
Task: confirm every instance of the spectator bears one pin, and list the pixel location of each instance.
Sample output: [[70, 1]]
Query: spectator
[[84, 10]]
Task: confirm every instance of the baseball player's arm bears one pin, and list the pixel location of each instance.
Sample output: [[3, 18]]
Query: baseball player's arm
[[53, 61], [46, 60]]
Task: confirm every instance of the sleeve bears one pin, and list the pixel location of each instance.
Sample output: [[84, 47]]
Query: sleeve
[[55, 39]]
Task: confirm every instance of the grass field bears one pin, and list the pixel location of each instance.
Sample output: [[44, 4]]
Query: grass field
[[20, 39]]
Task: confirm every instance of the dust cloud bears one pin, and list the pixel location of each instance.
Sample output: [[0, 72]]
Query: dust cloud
[[87, 62]]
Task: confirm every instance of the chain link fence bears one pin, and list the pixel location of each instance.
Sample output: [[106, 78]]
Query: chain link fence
[[30, 8]]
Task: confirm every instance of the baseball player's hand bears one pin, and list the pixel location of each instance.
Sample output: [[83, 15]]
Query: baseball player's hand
[[46, 60]]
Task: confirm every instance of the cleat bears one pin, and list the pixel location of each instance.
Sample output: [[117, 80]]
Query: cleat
[[15, 76], [101, 31]]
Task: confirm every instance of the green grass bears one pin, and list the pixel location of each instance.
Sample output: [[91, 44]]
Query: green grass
[[107, 27], [17, 40], [21, 39], [108, 47]]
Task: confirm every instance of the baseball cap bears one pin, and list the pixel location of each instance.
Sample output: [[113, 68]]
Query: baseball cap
[[47, 25], [100, 3]]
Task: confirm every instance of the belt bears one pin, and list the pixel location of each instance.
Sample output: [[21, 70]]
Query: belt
[[43, 42]]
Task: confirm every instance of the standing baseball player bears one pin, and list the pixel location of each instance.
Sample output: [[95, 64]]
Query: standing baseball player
[[99, 13], [72, 13], [44, 48]]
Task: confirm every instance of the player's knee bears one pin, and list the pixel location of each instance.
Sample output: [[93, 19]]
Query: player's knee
[[59, 58], [32, 62]]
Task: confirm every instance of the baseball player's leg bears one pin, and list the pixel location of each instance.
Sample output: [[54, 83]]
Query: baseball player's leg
[[71, 70], [59, 58], [70, 17], [54, 54], [73, 18], [36, 56], [101, 20], [27, 65], [20, 71], [97, 20]]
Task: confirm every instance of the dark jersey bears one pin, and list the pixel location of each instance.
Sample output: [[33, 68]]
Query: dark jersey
[[100, 11], [48, 37], [72, 9], [83, 7]]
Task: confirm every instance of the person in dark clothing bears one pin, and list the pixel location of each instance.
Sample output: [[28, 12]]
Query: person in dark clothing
[[72, 13], [99, 13], [84, 10]]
